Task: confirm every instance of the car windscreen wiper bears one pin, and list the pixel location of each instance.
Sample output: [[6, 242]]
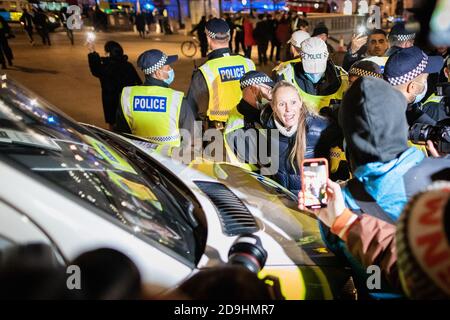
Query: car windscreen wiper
[[26, 139]]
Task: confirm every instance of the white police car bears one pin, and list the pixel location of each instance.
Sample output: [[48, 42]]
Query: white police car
[[79, 188]]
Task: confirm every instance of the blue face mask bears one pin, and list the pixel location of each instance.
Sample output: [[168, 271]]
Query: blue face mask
[[420, 96], [314, 77], [171, 77]]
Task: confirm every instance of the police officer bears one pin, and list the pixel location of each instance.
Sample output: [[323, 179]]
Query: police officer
[[214, 89], [317, 79], [153, 110], [364, 68], [434, 106], [400, 38], [407, 70], [241, 138], [296, 40]]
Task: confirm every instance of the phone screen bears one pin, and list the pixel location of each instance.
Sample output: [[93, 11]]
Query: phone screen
[[314, 183]]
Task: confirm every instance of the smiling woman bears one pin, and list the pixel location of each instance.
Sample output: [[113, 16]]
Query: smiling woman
[[303, 134]]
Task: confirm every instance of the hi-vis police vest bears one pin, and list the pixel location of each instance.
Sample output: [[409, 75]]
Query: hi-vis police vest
[[222, 77], [283, 64], [433, 98], [314, 102], [153, 113], [235, 122]]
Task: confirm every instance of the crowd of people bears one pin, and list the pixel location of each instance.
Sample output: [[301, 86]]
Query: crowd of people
[[368, 117], [248, 31]]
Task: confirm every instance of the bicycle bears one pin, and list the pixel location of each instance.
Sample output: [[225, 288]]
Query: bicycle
[[189, 47]]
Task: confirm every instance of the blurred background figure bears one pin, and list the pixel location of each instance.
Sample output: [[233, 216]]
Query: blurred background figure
[[140, 23], [262, 36], [283, 34], [229, 20], [100, 20], [114, 72], [201, 35], [64, 18], [26, 20], [239, 37], [41, 24], [5, 50], [274, 44], [249, 41]]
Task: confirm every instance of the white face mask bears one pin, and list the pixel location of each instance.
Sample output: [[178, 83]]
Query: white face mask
[[421, 95]]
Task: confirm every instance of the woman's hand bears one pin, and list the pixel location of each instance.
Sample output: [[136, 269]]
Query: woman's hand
[[336, 204]]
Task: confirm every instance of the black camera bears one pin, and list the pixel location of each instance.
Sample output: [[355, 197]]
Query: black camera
[[248, 252], [419, 133], [443, 90]]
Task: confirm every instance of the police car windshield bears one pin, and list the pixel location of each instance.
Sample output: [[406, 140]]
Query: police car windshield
[[50, 144]]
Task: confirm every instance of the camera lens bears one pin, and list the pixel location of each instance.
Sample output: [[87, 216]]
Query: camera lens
[[248, 251]]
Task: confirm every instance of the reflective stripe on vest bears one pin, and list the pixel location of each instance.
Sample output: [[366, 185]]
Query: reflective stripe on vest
[[315, 102], [222, 77], [279, 68], [235, 122], [433, 98], [153, 113]]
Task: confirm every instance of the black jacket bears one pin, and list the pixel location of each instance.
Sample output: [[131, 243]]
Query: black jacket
[[246, 137], [320, 137], [350, 58], [262, 32], [186, 120], [114, 75], [4, 27], [27, 20], [198, 94]]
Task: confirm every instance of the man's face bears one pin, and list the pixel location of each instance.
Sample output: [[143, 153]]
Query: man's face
[[377, 45]]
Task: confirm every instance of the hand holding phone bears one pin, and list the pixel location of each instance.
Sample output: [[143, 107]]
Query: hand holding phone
[[336, 204], [314, 183]]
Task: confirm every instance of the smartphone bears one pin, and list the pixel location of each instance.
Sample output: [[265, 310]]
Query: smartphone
[[362, 31], [314, 175]]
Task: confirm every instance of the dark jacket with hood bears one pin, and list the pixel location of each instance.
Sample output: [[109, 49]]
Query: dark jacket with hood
[[372, 116], [114, 74], [320, 137]]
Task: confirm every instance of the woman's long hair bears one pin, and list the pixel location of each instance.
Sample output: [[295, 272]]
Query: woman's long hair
[[298, 151]]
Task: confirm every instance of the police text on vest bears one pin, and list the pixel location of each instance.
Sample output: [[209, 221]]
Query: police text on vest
[[231, 73], [149, 104]]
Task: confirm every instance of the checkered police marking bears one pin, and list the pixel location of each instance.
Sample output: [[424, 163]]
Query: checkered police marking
[[231, 73], [255, 81], [149, 104], [411, 74]]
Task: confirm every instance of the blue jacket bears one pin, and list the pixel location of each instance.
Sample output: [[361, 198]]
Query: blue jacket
[[319, 139], [393, 183]]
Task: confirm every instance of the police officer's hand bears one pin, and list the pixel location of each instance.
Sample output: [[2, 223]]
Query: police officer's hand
[[357, 42]]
